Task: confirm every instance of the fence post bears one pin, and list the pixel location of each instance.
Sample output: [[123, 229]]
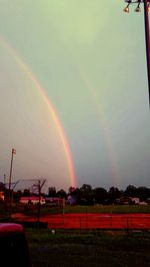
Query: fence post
[[110, 220], [127, 223]]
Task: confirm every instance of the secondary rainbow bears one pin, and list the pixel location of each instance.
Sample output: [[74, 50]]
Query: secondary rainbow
[[109, 145]]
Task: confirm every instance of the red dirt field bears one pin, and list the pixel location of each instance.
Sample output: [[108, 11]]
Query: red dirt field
[[91, 221]]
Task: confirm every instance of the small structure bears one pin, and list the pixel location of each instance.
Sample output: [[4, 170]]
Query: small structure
[[54, 201], [135, 200], [32, 200], [130, 201]]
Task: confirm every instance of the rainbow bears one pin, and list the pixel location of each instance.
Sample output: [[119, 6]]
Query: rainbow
[[109, 145], [49, 105]]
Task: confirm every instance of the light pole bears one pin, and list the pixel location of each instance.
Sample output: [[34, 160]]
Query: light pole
[[13, 152], [147, 34]]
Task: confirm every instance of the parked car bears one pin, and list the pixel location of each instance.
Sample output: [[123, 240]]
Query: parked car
[[14, 250]]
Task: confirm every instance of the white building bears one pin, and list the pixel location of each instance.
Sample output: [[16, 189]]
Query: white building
[[32, 200]]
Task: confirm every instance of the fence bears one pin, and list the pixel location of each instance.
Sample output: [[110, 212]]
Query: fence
[[90, 221]]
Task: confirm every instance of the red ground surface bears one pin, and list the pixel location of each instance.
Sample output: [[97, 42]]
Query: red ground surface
[[92, 221]]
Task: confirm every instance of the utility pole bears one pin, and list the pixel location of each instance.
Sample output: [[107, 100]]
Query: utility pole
[[4, 187], [147, 40], [4, 180], [10, 178]]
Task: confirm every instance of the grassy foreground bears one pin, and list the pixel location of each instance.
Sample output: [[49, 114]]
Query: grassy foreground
[[64, 249]]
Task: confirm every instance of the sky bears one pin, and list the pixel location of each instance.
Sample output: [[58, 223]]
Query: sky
[[74, 93]]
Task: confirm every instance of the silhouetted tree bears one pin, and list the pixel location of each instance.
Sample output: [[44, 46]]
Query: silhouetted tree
[[113, 194], [2, 186], [52, 192], [61, 193], [26, 193], [17, 195], [143, 193], [76, 192], [71, 189], [87, 194], [131, 191], [100, 195]]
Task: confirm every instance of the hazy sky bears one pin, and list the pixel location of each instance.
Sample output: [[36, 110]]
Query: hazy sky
[[74, 93]]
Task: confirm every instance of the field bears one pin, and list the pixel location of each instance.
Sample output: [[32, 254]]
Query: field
[[87, 217], [87, 236], [75, 244], [88, 249]]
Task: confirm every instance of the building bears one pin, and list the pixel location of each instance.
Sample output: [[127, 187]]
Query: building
[[32, 200], [54, 201]]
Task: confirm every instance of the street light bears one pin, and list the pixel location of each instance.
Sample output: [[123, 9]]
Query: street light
[[147, 34], [126, 9]]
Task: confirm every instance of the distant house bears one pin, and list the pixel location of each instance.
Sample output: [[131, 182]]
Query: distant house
[[123, 201], [135, 200], [32, 200], [129, 201], [54, 201]]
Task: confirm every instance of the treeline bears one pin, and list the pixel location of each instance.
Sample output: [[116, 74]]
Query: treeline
[[88, 195]]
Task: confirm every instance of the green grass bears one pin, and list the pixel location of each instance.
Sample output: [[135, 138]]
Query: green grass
[[107, 209], [92, 209], [89, 249], [64, 249]]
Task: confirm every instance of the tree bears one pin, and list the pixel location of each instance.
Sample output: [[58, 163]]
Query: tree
[[76, 193], [87, 194], [113, 194], [143, 193], [2, 186], [61, 193], [71, 189], [17, 195], [100, 195], [26, 193], [131, 191], [52, 192]]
